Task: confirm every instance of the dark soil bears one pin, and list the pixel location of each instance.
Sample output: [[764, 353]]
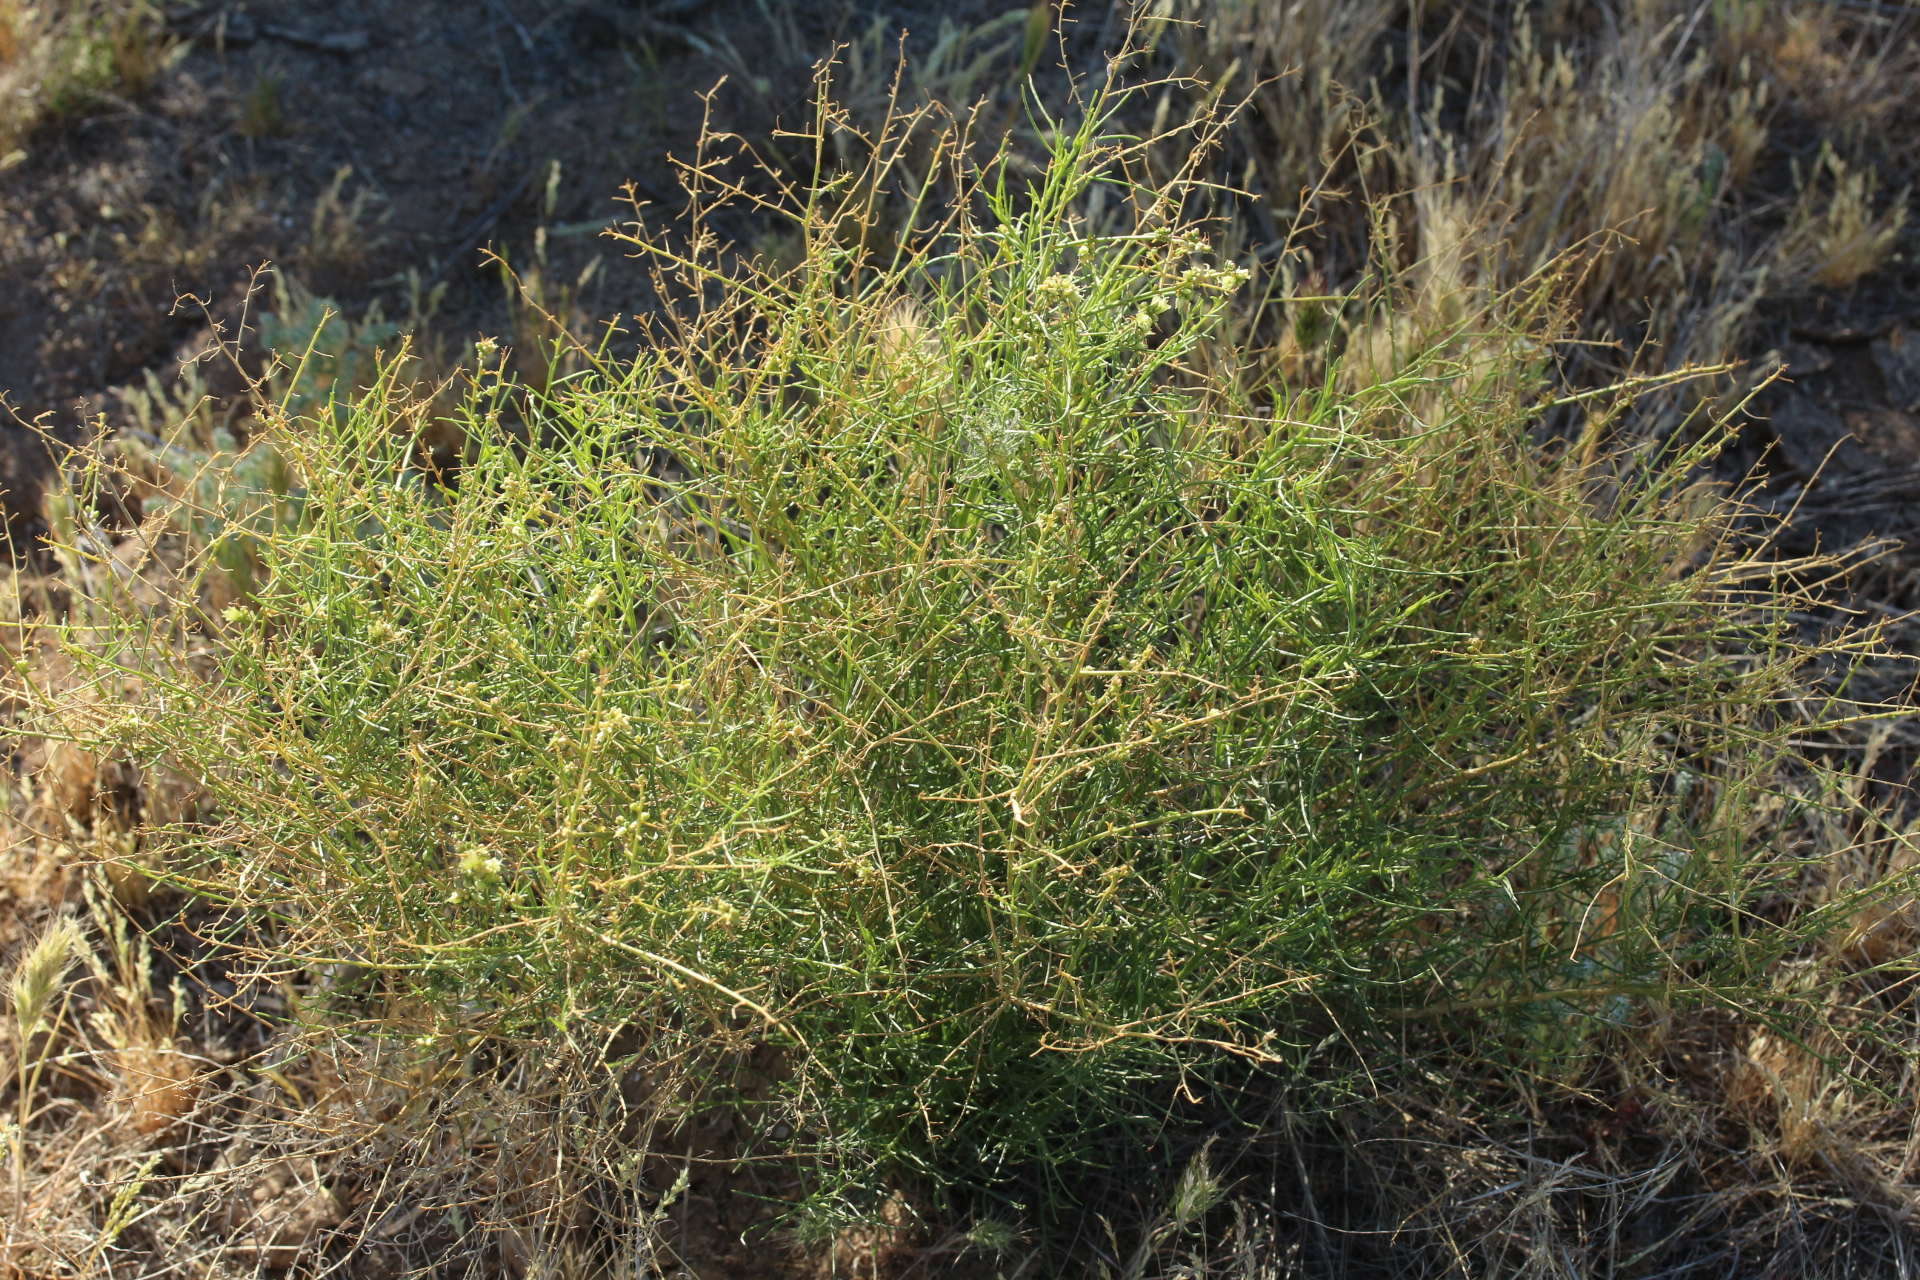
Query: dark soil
[[373, 151]]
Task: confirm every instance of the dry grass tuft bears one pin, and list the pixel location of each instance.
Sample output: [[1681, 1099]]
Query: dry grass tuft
[[1841, 229], [58, 59]]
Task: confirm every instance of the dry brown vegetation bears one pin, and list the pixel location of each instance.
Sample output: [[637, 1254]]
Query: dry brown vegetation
[[1724, 184]]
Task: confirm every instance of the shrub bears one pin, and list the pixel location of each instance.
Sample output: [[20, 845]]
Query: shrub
[[947, 668]]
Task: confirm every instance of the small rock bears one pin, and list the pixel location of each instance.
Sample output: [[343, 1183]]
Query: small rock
[[1803, 359], [396, 82], [1898, 355], [1892, 434]]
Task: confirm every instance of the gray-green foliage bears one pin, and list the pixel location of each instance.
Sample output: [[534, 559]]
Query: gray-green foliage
[[323, 358], [956, 669]]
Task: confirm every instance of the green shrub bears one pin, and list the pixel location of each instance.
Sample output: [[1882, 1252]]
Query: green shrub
[[956, 670]]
